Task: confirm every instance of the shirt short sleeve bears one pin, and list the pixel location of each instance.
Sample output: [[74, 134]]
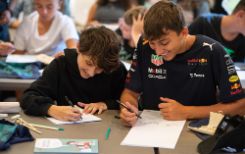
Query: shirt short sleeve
[[230, 88], [69, 31], [20, 36]]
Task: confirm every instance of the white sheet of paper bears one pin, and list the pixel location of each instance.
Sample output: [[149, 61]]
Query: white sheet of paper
[[15, 58], [241, 75], [239, 66], [153, 131], [85, 118]]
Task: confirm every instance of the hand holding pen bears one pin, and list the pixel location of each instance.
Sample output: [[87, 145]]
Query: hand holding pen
[[65, 113], [72, 104], [129, 109], [129, 114]]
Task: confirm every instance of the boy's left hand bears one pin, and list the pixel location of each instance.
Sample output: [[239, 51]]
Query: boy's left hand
[[92, 108], [172, 110]]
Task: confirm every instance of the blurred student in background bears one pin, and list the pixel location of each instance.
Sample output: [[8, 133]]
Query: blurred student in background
[[130, 28], [46, 30], [22, 8], [4, 20], [5, 46], [108, 11], [229, 30]]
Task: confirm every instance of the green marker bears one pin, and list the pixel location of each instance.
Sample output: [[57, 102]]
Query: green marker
[[107, 133]]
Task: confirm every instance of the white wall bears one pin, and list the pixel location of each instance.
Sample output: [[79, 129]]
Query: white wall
[[79, 10]]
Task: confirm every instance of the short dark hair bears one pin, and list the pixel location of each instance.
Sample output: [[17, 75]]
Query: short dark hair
[[239, 6], [102, 45], [162, 16]]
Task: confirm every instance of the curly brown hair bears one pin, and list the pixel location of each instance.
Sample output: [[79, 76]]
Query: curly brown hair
[[102, 45]]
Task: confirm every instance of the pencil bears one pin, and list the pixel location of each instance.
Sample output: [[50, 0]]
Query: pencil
[[21, 121], [107, 133], [47, 127], [128, 108]]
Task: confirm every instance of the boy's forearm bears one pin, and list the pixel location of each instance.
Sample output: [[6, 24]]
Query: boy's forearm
[[33, 103], [71, 43], [233, 108], [19, 52], [129, 96]]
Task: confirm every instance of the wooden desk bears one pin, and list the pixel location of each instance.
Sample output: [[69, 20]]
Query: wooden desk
[[187, 142]]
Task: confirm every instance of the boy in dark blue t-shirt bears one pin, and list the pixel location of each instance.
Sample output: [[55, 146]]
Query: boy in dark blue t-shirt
[[178, 73]]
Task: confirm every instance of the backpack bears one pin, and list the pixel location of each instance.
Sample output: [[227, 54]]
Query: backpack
[[229, 137]]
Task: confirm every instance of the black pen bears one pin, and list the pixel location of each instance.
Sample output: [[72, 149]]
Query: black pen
[[128, 108], [70, 103]]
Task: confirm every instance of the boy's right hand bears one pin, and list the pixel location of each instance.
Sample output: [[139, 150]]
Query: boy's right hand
[[127, 117], [65, 113]]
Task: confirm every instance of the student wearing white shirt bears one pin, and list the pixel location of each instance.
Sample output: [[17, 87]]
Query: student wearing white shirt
[[46, 30]]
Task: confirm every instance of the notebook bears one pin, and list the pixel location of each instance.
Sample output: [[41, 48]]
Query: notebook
[[84, 118], [65, 146]]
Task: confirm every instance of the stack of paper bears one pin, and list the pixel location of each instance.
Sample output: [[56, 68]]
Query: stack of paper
[[9, 107], [153, 131], [15, 58]]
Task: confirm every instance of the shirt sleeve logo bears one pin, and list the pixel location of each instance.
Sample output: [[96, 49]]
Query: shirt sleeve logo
[[209, 45], [229, 65], [233, 78]]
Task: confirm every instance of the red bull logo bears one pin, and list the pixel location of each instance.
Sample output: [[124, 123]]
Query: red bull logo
[[235, 86], [197, 61]]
